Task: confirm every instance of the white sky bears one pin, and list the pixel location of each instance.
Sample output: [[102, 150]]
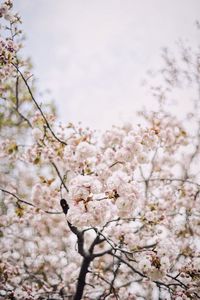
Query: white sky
[[93, 55]]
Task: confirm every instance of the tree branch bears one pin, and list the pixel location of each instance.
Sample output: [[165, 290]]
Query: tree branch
[[38, 107], [28, 203]]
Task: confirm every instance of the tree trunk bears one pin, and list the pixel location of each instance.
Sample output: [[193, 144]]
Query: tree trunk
[[81, 278]]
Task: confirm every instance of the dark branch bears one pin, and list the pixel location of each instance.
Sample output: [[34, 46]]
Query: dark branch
[[28, 203], [38, 107]]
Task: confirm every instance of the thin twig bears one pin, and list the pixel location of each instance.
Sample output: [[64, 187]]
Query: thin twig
[[28, 203], [38, 107]]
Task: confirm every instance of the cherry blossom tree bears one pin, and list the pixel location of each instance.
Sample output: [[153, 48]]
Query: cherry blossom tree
[[89, 217]]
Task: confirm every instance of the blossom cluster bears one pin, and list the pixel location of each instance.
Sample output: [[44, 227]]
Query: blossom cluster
[[136, 212]]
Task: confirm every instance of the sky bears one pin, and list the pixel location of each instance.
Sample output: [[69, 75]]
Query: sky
[[94, 55]]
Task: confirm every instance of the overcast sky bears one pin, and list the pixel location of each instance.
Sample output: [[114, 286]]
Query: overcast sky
[[93, 55]]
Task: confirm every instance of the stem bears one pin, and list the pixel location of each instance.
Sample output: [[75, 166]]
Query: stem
[[37, 105], [28, 203]]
